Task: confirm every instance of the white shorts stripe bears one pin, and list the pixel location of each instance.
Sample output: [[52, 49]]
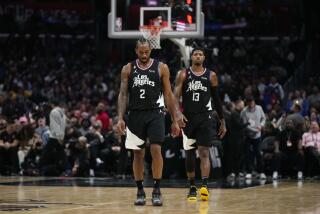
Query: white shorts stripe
[[188, 143], [133, 141]]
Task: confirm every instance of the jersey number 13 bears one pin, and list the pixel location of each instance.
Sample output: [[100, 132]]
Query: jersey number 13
[[195, 97]]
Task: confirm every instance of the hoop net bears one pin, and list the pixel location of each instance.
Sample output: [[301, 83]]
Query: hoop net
[[152, 34]]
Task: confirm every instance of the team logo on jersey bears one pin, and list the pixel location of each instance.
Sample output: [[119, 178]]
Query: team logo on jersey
[[141, 80], [195, 86]]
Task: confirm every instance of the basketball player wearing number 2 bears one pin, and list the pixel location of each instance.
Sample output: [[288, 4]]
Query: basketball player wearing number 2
[[197, 86], [145, 83]]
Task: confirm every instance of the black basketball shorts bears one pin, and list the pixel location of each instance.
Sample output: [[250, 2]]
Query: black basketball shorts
[[143, 125], [199, 131]]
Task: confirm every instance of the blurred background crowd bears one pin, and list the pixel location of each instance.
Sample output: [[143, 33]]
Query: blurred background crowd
[[268, 82]]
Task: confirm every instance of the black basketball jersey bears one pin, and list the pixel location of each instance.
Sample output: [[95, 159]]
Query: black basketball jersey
[[196, 92], [145, 87]]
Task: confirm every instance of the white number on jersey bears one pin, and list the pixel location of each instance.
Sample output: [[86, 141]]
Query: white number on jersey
[[142, 93], [195, 97]]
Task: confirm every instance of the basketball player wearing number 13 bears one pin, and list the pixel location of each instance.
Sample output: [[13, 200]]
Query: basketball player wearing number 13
[[146, 83], [198, 86]]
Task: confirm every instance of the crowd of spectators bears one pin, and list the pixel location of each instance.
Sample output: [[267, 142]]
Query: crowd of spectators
[[34, 70], [250, 18], [34, 21]]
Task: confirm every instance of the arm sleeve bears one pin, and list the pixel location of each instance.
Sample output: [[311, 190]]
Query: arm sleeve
[[217, 102], [263, 117]]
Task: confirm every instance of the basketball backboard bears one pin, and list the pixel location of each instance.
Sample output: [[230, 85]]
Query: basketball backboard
[[178, 18]]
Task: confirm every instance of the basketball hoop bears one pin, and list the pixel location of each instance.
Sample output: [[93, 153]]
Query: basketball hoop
[[152, 34]]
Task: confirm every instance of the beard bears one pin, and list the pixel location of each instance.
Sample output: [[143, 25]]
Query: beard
[[144, 60]]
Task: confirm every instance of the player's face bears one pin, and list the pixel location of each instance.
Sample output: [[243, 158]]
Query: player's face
[[143, 52], [197, 57]]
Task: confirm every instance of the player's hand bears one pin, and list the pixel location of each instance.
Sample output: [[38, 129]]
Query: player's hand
[[182, 120], [175, 129], [222, 129], [121, 127]]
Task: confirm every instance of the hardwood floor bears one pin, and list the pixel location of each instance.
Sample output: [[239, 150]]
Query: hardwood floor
[[284, 197]]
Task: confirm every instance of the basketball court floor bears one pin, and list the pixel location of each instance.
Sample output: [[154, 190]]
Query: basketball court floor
[[107, 195]]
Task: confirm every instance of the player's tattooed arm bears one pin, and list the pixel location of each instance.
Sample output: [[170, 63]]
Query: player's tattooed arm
[[123, 98]]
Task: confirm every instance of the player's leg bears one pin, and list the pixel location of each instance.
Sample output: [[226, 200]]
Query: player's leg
[[190, 163], [138, 172], [135, 140], [157, 167], [205, 135], [189, 145], [156, 135], [205, 171]]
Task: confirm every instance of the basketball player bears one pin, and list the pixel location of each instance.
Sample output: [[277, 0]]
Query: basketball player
[[145, 82], [198, 87]]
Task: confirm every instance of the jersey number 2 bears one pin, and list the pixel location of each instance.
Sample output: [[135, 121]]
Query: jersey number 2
[[142, 93], [195, 97]]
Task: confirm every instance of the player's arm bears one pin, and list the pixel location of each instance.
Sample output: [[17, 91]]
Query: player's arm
[[170, 101], [181, 76], [217, 103], [169, 98], [123, 98]]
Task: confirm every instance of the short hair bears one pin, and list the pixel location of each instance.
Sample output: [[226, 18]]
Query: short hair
[[250, 98], [142, 41], [198, 48], [55, 101]]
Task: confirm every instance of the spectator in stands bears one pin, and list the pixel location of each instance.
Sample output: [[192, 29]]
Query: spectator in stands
[[254, 116], [53, 157], [30, 165], [296, 117], [79, 157], [314, 98], [103, 116], [311, 143], [42, 129], [288, 151], [95, 140], [276, 88], [9, 163], [234, 141]]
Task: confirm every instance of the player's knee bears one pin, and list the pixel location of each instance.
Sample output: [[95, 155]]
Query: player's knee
[[138, 154], [155, 149], [203, 152]]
